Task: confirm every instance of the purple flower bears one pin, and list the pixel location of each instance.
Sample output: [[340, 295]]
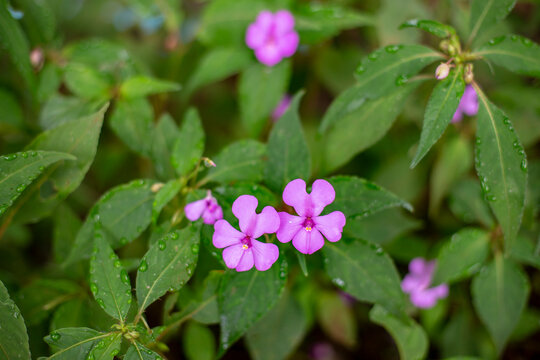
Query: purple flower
[[305, 230], [417, 282], [281, 107], [242, 251], [272, 36], [208, 208], [468, 104]]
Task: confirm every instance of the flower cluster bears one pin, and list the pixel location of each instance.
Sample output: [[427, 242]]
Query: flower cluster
[[272, 37], [307, 229], [417, 283]]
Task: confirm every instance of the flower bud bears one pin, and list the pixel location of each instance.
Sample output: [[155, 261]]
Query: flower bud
[[208, 162], [442, 71], [468, 76], [155, 187], [444, 45], [37, 58]]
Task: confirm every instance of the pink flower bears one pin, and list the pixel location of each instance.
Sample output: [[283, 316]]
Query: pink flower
[[242, 251], [281, 107], [467, 105], [306, 231], [417, 282], [272, 36], [208, 208]]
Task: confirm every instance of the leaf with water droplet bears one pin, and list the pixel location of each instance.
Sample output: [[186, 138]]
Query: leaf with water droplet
[[244, 297], [13, 334], [107, 348], [442, 105], [500, 295], [164, 196], [17, 172], [366, 275], [485, 14], [522, 56], [73, 343], [431, 26], [189, 145], [499, 165], [108, 280], [138, 352], [169, 263]]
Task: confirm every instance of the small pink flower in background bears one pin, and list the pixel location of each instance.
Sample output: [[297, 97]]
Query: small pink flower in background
[[272, 36], [208, 208], [306, 231], [281, 107], [242, 251], [468, 104], [442, 71], [322, 351], [416, 284]]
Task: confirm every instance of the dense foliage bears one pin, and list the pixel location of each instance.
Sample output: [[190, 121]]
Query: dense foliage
[[156, 156]]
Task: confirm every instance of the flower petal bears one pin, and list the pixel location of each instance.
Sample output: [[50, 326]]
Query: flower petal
[[268, 54], [288, 44], [307, 242], [469, 101], [322, 194], [244, 209], [225, 235], [265, 20], [264, 254], [195, 209], [255, 36], [417, 266], [283, 22], [331, 225], [441, 291], [267, 222], [295, 195], [212, 214], [289, 225], [233, 255], [410, 284], [246, 261], [424, 299]]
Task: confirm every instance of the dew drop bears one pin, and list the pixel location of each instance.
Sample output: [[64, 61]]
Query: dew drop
[[478, 141], [10, 157], [124, 276], [100, 302], [195, 249], [55, 336], [94, 289], [21, 188], [34, 153], [338, 282], [526, 42], [514, 38], [143, 266], [360, 70], [174, 235], [401, 80], [496, 41], [24, 155], [524, 165], [392, 49], [117, 263], [373, 56], [162, 245], [492, 198], [42, 168]]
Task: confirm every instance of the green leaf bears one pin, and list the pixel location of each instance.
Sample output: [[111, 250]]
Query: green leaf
[[78, 138], [288, 153], [525, 251], [366, 272], [13, 336], [72, 343], [167, 265], [163, 139], [501, 166], [132, 121], [361, 123], [139, 86], [86, 82], [411, 339], [49, 82], [216, 65], [441, 106], [109, 282], [316, 22], [500, 293], [138, 352], [337, 319], [514, 52], [245, 297], [60, 109], [239, 161], [107, 348], [124, 212], [387, 68], [454, 160], [431, 26], [39, 298], [12, 116], [260, 90], [66, 227], [467, 204], [14, 42], [486, 13], [462, 256], [279, 332], [19, 170], [38, 20], [199, 342], [189, 145], [164, 196], [359, 197]]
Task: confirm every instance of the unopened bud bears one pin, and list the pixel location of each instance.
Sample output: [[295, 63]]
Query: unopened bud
[[469, 75], [444, 45], [36, 58], [442, 71], [156, 187], [208, 162]]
